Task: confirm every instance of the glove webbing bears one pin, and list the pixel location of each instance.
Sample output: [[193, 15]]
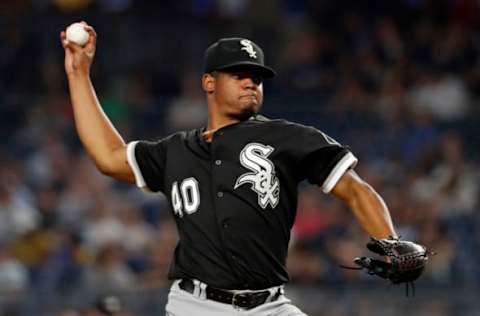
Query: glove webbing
[[371, 272]]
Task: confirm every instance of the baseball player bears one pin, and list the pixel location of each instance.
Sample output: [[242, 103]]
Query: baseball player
[[232, 184]]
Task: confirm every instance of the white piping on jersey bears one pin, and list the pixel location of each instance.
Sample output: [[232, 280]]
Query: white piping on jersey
[[347, 161], [132, 161]]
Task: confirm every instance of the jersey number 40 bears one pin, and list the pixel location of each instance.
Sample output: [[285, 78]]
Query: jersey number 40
[[185, 197]]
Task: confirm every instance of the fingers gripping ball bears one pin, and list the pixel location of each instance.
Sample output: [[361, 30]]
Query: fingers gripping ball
[[77, 34]]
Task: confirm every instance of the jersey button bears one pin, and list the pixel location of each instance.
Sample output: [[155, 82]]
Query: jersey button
[[220, 194], [218, 162], [225, 224]]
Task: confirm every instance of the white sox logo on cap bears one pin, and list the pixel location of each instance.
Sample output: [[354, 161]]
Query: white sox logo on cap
[[236, 52], [248, 47]]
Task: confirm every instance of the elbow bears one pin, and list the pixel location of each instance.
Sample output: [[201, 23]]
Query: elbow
[[363, 187], [112, 163], [105, 167], [360, 190], [350, 187]]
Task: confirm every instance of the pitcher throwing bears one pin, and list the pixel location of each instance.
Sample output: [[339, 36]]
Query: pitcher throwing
[[232, 184]]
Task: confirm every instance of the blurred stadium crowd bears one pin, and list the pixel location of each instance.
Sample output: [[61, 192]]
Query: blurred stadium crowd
[[397, 82]]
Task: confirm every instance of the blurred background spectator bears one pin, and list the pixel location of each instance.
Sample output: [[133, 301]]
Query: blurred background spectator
[[397, 81]]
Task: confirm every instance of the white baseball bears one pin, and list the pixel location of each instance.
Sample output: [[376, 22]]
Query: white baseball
[[77, 34]]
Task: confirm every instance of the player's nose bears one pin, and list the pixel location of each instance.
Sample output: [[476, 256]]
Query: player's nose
[[249, 83]]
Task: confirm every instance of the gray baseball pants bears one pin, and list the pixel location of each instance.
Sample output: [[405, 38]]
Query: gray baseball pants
[[183, 303]]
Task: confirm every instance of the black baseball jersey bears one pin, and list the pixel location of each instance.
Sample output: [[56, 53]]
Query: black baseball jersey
[[234, 199]]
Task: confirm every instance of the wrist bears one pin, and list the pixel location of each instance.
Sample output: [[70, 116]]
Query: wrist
[[76, 75]]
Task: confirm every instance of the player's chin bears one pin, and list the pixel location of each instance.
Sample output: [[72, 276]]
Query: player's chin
[[246, 110], [250, 103]]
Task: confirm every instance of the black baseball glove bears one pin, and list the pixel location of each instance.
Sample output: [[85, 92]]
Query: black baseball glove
[[406, 260]]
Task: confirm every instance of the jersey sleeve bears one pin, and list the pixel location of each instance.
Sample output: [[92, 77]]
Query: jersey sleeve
[[147, 161], [322, 159]]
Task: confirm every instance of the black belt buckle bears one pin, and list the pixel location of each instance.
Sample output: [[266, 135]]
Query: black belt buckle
[[245, 300], [249, 300]]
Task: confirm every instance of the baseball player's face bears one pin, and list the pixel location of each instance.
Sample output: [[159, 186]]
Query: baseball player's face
[[240, 93]]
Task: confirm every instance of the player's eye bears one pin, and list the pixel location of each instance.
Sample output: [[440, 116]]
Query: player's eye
[[257, 80]]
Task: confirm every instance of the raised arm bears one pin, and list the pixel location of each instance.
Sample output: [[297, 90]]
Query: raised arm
[[368, 207], [98, 135]]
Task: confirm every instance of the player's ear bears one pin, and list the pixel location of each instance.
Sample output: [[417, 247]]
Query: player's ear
[[208, 83]]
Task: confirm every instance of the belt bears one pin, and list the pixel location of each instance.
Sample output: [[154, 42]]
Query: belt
[[246, 300]]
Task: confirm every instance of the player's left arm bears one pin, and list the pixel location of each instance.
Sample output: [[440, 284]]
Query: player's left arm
[[367, 205]]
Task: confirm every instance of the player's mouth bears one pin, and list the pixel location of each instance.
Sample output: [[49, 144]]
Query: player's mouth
[[249, 95]]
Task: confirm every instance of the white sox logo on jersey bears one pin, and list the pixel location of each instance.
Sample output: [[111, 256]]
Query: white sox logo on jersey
[[248, 47], [263, 180]]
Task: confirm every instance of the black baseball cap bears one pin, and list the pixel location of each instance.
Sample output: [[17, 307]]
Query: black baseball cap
[[235, 52]]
